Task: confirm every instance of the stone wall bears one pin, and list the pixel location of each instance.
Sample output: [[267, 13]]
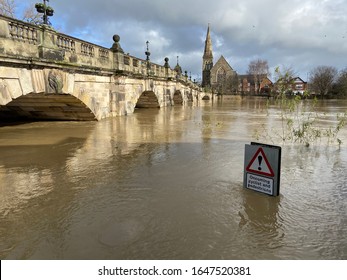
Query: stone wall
[[100, 95], [51, 87], [68, 78]]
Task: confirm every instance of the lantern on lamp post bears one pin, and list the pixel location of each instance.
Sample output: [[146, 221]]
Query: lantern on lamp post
[[44, 9]]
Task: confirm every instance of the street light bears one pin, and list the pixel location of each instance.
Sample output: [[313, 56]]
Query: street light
[[44, 9], [147, 53]]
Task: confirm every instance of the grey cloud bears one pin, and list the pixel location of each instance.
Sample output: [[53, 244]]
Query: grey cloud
[[302, 33]]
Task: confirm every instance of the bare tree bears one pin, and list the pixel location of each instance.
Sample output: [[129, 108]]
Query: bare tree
[[322, 79], [228, 85], [7, 8], [234, 83], [259, 69], [31, 16], [341, 83]]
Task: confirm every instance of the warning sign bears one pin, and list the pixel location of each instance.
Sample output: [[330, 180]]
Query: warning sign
[[260, 164], [262, 168], [260, 184]]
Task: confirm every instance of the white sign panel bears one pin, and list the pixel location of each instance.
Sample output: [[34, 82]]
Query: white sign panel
[[260, 184]]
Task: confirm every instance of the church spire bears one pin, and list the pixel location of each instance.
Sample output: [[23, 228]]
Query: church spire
[[208, 45], [207, 62]]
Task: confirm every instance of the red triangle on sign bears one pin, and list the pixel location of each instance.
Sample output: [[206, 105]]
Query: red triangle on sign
[[260, 165]]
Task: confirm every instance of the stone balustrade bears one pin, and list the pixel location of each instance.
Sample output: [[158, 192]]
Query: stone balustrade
[[66, 43], [40, 42], [22, 32]]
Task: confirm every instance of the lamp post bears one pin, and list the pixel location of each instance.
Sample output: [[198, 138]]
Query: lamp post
[[147, 53], [44, 9]]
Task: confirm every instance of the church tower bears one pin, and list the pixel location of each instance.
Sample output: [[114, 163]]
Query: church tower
[[207, 62]]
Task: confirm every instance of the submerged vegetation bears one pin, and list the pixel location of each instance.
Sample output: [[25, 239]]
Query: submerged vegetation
[[301, 121]]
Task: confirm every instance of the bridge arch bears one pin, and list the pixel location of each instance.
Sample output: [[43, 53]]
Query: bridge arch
[[39, 106], [106, 82], [147, 99], [53, 94], [178, 98]]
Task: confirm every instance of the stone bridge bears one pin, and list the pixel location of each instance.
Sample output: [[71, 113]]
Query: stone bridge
[[47, 75]]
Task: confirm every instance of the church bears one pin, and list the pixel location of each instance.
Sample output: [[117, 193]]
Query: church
[[220, 77]]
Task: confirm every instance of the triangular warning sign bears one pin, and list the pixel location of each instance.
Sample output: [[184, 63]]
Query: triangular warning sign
[[260, 165]]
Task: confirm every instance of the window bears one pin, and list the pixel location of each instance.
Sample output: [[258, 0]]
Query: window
[[221, 75]]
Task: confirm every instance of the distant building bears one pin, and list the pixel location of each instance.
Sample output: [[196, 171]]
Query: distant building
[[292, 86], [221, 77], [298, 85], [249, 85]]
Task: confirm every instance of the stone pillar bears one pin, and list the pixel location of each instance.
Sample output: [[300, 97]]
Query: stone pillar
[[118, 54], [47, 48], [167, 67], [4, 31], [186, 76]]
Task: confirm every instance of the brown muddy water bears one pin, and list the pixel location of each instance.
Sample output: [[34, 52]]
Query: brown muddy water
[[167, 184]]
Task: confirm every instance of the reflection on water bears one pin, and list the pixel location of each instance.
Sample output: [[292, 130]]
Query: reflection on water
[[167, 184]]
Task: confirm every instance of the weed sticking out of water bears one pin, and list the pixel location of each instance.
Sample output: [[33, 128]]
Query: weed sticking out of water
[[301, 122]]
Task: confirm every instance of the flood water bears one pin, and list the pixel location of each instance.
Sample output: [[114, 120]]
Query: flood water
[[167, 184]]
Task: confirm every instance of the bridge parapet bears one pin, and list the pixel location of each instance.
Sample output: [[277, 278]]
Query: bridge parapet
[[24, 40], [42, 66], [39, 42], [22, 32]]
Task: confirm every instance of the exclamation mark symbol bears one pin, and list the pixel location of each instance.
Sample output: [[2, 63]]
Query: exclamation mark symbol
[[260, 160]]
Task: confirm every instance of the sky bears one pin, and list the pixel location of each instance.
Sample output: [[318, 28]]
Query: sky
[[296, 34]]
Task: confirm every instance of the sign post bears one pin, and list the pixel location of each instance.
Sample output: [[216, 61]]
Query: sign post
[[262, 168]]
